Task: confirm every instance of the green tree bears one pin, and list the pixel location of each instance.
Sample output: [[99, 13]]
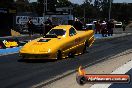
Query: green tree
[[64, 3], [86, 10], [102, 7], [22, 5], [51, 4], [6, 3], [33, 7], [122, 11]]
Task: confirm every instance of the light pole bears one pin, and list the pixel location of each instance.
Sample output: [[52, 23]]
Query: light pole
[[84, 15], [45, 9], [109, 9], [45, 6]]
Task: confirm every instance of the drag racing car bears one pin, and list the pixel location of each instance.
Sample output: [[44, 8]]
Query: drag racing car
[[60, 42]]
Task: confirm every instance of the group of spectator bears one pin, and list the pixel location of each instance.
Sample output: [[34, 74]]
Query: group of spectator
[[104, 28], [77, 24], [46, 25]]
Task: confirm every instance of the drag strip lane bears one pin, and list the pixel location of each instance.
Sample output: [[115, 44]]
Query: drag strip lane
[[15, 74]]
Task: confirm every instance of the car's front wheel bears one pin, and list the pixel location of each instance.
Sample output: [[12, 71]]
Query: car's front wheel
[[59, 55], [71, 55]]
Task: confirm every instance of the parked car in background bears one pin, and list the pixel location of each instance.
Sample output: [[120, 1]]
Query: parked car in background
[[90, 26], [118, 24]]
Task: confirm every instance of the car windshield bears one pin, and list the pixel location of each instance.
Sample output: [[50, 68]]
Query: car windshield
[[58, 32]]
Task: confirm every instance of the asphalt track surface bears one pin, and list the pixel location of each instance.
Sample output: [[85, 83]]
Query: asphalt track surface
[[123, 85], [15, 73]]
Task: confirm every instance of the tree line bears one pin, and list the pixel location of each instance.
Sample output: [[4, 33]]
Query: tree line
[[90, 9]]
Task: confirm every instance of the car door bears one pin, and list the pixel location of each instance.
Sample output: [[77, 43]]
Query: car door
[[69, 46], [73, 37], [78, 42]]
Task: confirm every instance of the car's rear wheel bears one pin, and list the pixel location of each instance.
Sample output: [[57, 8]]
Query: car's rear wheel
[[86, 47], [59, 55], [71, 55]]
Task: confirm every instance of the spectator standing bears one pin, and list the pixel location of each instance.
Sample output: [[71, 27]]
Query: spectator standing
[[104, 29], [41, 30], [110, 28], [97, 27], [30, 26], [78, 24], [48, 25], [124, 26]]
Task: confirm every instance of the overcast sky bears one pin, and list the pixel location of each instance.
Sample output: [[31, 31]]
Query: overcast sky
[[81, 1]]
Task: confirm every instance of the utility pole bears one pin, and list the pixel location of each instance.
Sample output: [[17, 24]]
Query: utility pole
[[45, 9], [46, 5], [109, 9], [84, 15]]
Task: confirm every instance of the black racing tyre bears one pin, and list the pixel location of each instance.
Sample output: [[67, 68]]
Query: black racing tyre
[[81, 80], [59, 55], [86, 47], [71, 55]]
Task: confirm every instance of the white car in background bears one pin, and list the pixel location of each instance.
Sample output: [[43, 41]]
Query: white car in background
[[118, 25], [90, 26]]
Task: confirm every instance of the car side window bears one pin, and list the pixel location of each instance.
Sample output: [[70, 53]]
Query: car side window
[[72, 32]]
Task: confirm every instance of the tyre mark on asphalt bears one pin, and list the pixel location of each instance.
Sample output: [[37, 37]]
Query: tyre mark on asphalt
[[90, 64], [68, 63]]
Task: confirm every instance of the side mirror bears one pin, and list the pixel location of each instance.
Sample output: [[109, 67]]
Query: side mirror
[[70, 35]]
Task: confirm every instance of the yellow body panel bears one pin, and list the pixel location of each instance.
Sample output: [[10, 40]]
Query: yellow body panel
[[66, 44]]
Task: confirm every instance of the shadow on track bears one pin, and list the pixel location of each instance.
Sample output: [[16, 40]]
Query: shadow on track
[[47, 60]]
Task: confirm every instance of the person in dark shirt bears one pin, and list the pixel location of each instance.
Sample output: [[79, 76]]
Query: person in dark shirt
[[97, 27], [110, 28], [78, 24], [48, 25], [30, 26], [104, 29], [124, 25]]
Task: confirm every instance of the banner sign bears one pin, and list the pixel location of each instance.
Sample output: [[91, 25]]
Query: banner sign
[[24, 19], [56, 19], [8, 43]]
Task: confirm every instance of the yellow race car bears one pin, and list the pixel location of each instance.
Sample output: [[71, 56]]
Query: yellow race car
[[60, 42]]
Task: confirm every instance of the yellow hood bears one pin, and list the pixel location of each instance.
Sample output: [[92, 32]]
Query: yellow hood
[[42, 45]]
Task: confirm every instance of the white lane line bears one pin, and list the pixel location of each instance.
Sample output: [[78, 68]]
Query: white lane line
[[121, 70]]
